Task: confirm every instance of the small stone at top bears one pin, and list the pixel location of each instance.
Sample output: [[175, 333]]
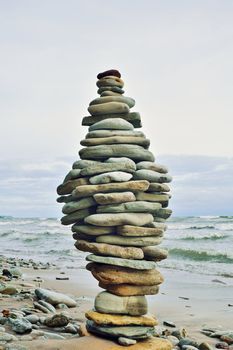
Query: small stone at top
[[106, 73]]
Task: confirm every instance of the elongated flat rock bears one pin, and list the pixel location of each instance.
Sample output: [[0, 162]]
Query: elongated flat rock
[[111, 123], [72, 174], [112, 304], [163, 213], [128, 289], [152, 197], [93, 230], [54, 298], [113, 176], [129, 241], [108, 108], [141, 141], [80, 164], [120, 320], [114, 198], [109, 274], [112, 88], [103, 152], [152, 166], [117, 219], [110, 250], [128, 230], [133, 264], [132, 332], [65, 199], [105, 99], [152, 176], [130, 207], [133, 118], [110, 80], [108, 167], [121, 160], [76, 216], [156, 187], [83, 203], [114, 133], [155, 224], [89, 190], [77, 236], [155, 254], [69, 186]]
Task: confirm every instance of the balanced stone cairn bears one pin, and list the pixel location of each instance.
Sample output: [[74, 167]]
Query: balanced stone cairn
[[116, 200]]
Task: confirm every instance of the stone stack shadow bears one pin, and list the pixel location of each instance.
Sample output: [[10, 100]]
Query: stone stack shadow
[[116, 200]]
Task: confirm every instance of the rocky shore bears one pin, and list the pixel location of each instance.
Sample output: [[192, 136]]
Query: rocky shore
[[35, 315]]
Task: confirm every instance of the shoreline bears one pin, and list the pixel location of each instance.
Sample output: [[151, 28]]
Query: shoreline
[[189, 300]]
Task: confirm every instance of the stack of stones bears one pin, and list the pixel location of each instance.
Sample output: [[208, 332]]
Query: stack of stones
[[116, 200]]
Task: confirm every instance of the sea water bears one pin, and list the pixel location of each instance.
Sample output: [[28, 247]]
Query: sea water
[[197, 244]]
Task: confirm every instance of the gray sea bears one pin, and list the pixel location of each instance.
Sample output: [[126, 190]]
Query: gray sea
[[197, 244]]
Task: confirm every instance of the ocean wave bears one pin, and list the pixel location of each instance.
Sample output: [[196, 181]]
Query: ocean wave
[[209, 227], [201, 255], [212, 236]]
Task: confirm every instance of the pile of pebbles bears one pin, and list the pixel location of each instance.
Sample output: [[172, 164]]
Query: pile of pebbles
[[116, 200]]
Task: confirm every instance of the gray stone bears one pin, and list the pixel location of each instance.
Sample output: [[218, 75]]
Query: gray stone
[[129, 241], [58, 320], [93, 230], [65, 199], [110, 88], [40, 307], [157, 187], [108, 219], [155, 254], [114, 98], [54, 298], [70, 185], [153, 197], [134, 332], [126, 160], [114, 198], [32, 318], [108, 108], [133, 264], [109, 93], [7, 337], [152, 176], [110, 80], [109, 167], [130, 231], [72, 174], [113, 304], [83, 203], [126, 341], [134, 152], [21, 325], [141, 141], [111, 123], [77, 216], [134, 118], [114, 176], [80, 164], [111, 133], [157, 225], [47, 305], [152, 166], [130, 207], [163, 213], [187, 341]]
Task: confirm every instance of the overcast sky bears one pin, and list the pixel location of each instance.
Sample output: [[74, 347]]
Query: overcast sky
[[175, 58]]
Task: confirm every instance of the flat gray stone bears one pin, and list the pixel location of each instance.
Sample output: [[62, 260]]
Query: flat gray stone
[[155, 254], [114, 98], [163, 213], [54, 298], [109, 167], [114, 197], [109, 93], [129, 241], [157, 187], [82, 203], [130, 207], [72, 174], [134, 152], [113, 304], [93, 230], [133, 264], [141, 231], [141, 141], [108, 108], [114, 176], [125, 160], [111, 133], [137, 219], [110, 80], [77, 216], [133, 332], [134, 118], [153, 197], [20, 325], [80, 164], [152, 166], [110, 88], [111, 123], [152, 176]]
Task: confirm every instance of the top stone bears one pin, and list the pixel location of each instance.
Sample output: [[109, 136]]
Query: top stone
[[109, 72]]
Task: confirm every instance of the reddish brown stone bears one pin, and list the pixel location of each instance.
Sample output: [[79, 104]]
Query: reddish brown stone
[[106, 73]]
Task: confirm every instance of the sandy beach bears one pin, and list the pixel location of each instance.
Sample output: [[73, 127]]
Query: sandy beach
[[189, 300]]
